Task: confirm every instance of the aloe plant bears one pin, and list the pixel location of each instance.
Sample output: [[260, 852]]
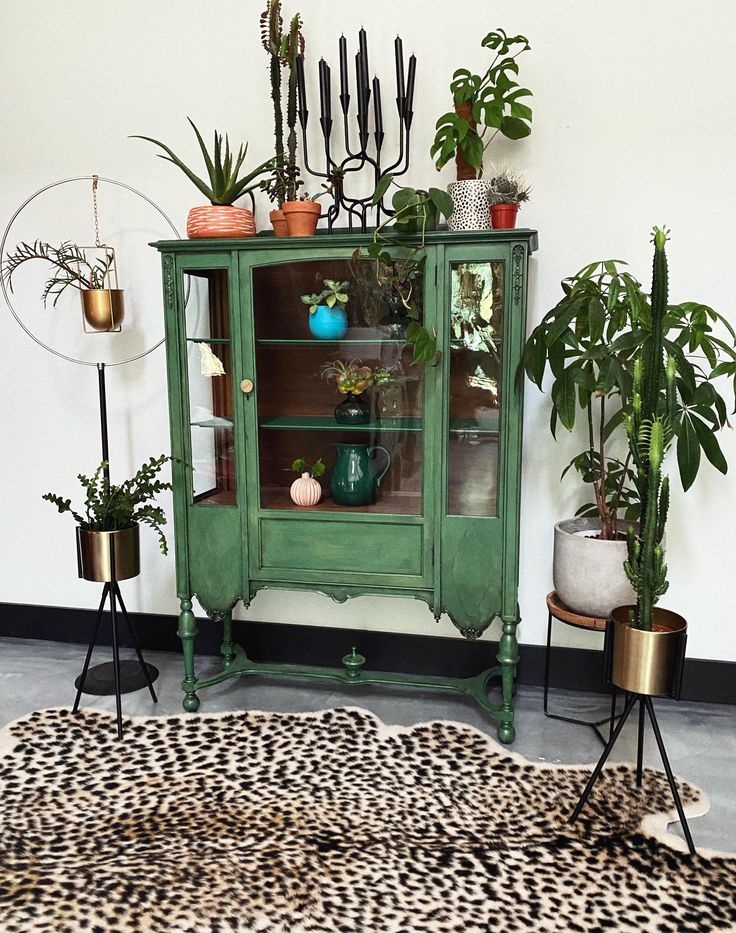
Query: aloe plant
[[223, 168]]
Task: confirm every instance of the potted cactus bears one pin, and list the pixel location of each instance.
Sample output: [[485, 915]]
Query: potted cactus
[[648, 642], [220, 218], [506, 191]]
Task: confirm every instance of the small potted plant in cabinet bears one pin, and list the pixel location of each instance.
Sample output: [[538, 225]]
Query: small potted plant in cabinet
[[328, 319], [306, 491]]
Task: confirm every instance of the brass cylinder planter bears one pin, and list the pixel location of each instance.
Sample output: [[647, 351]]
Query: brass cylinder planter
[[95, 548], [649, 663], [103, 308]]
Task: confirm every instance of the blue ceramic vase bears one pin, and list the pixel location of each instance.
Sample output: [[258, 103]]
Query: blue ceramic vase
[[328, 323]]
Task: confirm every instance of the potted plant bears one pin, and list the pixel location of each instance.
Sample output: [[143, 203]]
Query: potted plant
[[483, 103], [389, 385], [112, 517], [283, 49], [589, 343], [506, 191], [103, 307], [305, 491], [302, 214], [352, 379], [328, 319], [226, 184], [415, 210]]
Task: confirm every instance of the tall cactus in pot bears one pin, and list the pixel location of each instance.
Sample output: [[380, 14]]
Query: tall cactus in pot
[[649, 427]]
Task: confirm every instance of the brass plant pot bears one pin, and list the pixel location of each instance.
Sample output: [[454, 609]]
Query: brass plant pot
[[95, 548], [103, 308], [649, 663]]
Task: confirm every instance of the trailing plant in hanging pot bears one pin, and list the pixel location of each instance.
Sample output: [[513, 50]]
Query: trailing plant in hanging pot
[[103, 306], [484, 106], [226, 184], [111, 519]]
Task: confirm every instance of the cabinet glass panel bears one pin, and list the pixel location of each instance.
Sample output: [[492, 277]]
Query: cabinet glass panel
[[475, 386], [307, 366], [209, 364]]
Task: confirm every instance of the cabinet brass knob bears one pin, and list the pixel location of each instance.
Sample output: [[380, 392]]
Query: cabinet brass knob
[[247, 386]]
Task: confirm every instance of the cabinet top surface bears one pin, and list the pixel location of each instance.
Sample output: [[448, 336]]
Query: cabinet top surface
[[344, 238]]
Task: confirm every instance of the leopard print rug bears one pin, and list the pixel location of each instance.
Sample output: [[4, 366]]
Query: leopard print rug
[[330, 821]]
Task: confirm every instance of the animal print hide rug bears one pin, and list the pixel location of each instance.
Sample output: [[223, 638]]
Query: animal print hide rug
[[330, 821]]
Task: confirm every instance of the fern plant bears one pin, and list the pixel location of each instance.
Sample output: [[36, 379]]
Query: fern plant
[[226, 184], [73, 268], [108, 507]]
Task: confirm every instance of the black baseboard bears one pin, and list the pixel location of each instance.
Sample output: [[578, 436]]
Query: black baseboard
[[572, 668]]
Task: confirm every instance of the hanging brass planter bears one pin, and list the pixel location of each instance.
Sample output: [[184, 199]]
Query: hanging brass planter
[[103, 309], [95, 549], [648, 663]]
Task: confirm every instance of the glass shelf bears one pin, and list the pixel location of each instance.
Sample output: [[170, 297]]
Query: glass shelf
[[222, 340], [487, 425], [213, 423], [390, 503], [363, 341], [328, 423]]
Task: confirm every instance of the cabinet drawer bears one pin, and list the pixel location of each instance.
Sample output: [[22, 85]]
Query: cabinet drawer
[[332, 546]]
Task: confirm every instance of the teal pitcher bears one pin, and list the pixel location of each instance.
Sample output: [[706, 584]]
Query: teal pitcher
[[355, 479]]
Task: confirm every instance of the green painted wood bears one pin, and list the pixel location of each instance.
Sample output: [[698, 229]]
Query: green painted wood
[[328, 423], [466, 566], [328, 545]]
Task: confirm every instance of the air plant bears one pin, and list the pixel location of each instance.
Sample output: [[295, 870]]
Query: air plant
[[351, 377], [223, 168]]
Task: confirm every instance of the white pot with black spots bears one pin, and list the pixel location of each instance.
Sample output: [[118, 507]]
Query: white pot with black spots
[[470, 205]]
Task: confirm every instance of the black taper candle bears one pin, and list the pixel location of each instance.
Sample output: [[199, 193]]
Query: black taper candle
[[343, 67], [400, 90], [328, 93], [410, 84], [322, 89], [377, 114], [303, 112]]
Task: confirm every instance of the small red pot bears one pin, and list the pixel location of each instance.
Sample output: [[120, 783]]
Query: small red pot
[[220, 220], [278, 222], [503, 216], [301, 217]]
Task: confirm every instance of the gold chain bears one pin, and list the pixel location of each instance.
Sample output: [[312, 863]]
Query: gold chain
[[94, 204]]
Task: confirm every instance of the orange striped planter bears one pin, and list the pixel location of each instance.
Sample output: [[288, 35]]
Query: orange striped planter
[[220, 220]]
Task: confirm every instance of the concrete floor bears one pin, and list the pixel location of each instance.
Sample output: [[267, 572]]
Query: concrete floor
[[700, 737]]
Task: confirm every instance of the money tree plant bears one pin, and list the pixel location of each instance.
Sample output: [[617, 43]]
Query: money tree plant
[[590, 342]]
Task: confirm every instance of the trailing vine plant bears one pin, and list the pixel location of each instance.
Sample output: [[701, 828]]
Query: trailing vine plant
[[73, 269]]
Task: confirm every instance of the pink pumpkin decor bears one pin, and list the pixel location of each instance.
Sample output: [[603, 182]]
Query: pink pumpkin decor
[[305, 491]]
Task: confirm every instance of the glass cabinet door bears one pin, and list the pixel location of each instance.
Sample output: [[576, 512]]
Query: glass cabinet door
[[475, 379], [209, 370], [304, 373]]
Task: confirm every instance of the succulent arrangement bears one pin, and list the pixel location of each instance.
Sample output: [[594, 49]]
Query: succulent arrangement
[[73, 268], [506, 187], [108, 507], [351, 376], [334, 294], [282, 49], [226, 184], [491, 101]]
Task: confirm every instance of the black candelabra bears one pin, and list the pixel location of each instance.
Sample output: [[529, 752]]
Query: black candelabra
[[358, 157]]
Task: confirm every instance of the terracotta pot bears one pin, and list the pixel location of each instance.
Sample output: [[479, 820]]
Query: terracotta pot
[[94, 549], [305, 491], [503, 216], [220, 220], [278, 222], [649, 663], [301, 217]]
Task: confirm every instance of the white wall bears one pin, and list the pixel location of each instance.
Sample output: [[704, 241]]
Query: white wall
[[632, 127]]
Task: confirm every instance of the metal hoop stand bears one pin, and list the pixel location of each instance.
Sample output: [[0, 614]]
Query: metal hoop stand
[[116, 677]]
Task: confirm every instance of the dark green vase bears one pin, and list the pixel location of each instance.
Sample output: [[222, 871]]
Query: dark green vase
[[355, 479], [354, 410]]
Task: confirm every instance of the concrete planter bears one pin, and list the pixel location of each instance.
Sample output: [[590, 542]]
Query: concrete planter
[[588, 573]]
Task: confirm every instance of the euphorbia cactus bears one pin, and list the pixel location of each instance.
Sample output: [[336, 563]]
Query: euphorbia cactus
[[649, 428]]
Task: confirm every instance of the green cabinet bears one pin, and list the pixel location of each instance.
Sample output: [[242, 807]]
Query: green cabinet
[[252, 389]]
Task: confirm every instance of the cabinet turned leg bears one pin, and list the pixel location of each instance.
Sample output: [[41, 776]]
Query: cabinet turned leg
[[187, 632], [508, 658], [226, 648]]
